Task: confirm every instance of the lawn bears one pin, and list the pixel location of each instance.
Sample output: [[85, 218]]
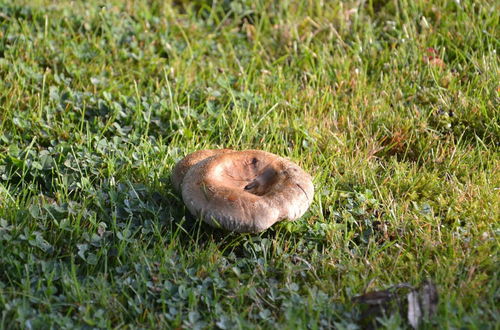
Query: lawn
[[391, 105]]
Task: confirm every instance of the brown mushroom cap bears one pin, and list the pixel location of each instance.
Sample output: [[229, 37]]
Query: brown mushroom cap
[[246, 191], [185, 164]]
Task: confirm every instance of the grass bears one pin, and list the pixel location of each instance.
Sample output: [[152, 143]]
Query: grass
[[391, 105]]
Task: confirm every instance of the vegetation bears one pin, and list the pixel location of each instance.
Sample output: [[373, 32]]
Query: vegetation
[[392, 106]]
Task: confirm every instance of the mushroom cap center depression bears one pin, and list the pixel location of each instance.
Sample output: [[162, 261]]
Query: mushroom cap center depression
[[253, 175]]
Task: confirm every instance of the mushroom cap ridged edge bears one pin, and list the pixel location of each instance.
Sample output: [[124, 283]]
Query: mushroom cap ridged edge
[[183, 166]]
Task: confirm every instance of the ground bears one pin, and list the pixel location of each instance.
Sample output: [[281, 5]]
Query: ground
[[391, 105]]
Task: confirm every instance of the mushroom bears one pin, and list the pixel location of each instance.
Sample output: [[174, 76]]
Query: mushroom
[[243, 191]]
